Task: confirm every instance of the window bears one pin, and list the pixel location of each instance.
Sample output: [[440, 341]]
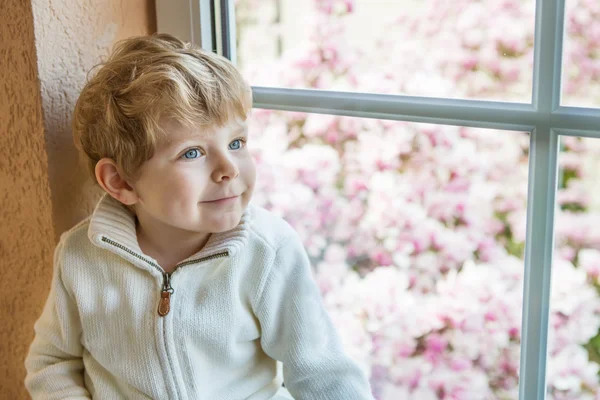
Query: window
[[416, 232], [573, 336], [332, 45], [581, 64], [308, 119]]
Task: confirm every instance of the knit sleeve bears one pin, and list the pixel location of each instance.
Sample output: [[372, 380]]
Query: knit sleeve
[[296, 330], [54, 363]]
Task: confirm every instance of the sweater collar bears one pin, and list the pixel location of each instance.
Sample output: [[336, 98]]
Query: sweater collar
[[112, 222]]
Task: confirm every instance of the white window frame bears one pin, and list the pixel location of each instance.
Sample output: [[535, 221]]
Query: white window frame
[[211, 24]]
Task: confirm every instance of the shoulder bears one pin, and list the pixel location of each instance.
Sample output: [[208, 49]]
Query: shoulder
[[74, 250], [269, 228], [76, 237], [278, 249]]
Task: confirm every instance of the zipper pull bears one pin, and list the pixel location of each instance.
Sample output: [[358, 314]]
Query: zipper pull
[[164, 306]]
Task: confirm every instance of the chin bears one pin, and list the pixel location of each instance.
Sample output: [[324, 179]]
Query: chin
[[227, 223]]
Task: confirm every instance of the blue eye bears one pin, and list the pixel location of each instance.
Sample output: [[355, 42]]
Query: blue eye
[[190, 154], [235, 145]]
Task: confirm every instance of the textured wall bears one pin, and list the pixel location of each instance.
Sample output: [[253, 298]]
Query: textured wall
[[26, 234], [71, 37], [46, 49]]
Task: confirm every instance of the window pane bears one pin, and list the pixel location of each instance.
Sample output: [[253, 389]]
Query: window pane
[[581, 55], [573, 335], [452, 49], [416, 233]]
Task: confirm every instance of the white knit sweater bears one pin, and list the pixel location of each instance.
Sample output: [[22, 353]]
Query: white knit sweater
[[245, 300]]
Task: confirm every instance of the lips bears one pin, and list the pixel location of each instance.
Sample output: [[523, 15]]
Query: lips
[[222, 199]]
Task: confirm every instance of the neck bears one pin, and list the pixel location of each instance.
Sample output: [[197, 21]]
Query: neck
[[166, 246]]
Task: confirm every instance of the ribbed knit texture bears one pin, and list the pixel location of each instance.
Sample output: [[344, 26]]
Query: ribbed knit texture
[[231, 318]]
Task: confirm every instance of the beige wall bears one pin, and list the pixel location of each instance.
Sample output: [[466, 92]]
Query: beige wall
[[71, 37], [46, 49]]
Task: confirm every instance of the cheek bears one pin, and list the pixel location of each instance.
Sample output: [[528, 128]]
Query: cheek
[[249, 172], [185, 180], [172, 187]]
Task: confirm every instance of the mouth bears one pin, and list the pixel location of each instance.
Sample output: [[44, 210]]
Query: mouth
[[224, 200]]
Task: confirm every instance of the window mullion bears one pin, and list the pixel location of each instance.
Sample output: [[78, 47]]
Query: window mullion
[[539, 244], [547, 64], [203, 33], [227, 29], [541, 200], [462, 112], [483, 114], [577, 118]]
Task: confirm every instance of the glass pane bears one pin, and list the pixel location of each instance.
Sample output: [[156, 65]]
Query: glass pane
[[453, 49], [581, 55], [416, 233], [574, 323]]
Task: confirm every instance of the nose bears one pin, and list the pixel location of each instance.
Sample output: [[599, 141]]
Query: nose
[[225, 168]]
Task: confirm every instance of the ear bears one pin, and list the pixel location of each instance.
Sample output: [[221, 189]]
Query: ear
[[111, 178]]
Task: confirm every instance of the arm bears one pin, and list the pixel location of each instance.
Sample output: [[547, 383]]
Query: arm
[[297, 331], [54, 364]]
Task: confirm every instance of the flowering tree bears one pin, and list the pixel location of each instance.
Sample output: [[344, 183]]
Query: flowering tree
[[417, 231]]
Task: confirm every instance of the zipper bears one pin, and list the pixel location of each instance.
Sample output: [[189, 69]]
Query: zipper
[[164, 305]]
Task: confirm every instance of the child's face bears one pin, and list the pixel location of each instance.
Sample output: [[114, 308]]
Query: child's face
[[199, 181]]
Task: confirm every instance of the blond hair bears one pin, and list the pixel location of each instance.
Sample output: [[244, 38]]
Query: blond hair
[[147, 79]]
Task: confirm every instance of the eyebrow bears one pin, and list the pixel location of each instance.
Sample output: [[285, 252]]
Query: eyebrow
[[240, 129], [191, 138]]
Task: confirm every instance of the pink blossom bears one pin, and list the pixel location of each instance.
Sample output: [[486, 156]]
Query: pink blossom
[[416, 231]]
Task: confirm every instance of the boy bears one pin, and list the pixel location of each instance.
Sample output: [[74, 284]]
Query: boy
[[175, 287]]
